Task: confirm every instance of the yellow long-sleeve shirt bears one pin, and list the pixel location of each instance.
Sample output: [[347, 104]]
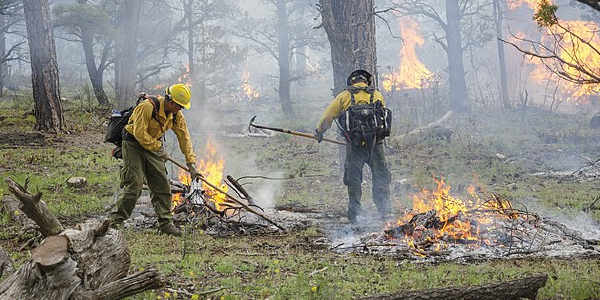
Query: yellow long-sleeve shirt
[[342, 101], [148, 131]]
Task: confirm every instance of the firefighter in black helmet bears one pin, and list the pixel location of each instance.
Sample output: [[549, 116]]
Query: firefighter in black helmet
[[360, 92]]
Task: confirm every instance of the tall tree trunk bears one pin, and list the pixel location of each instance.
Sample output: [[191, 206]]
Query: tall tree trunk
[[456, 68], [3, 64], [350, 28], [283, 52], [126, 50], [44, 70], [498, 18], [96, 76], [191, 37]]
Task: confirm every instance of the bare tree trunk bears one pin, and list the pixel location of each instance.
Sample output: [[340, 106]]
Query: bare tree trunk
[[283, 54], [95, 73], [191, 35], [498, 18], [456, 69], [44, 70], [2, 52], [350, 28], [126, 49]]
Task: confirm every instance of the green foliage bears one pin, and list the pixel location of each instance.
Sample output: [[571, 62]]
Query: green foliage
[[546, 14]]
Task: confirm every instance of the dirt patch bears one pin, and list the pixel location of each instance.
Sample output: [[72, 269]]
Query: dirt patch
[[12, 140]]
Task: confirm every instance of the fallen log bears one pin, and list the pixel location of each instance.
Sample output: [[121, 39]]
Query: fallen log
[[87, 263], [510, 290], [433, 129]]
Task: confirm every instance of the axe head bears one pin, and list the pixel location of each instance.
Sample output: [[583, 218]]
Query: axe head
[[250, 124]]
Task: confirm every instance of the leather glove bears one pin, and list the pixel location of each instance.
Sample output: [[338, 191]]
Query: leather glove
[[162, 154], [318, 136], [193, 172]]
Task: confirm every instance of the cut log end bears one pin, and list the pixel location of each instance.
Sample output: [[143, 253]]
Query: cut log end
[[52, 251]]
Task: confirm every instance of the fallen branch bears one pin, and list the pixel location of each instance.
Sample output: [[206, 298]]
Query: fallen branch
[[509, 290]]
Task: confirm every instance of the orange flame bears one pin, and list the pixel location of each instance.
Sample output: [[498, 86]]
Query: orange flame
[[514, 4], [412, 73], [184, 76], [571, 50], [452, 214], [249, 91], [212, 169]]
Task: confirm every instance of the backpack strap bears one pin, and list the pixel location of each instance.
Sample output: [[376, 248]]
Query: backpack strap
[[355, 89]]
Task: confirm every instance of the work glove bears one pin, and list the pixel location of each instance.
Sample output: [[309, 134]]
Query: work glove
[[193, 172], [318, 136], [162, 154]]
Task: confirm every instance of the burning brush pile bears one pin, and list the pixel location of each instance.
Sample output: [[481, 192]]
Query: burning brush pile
[[207, 203], [441, 226]]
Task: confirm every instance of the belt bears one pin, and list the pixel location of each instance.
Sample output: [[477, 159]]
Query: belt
[[128, 136]]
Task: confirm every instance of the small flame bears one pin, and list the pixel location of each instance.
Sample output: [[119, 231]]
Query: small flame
[[184, 76], [249, 91], [413, 73]]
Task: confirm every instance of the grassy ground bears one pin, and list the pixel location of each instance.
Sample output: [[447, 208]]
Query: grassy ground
[[295, 265]]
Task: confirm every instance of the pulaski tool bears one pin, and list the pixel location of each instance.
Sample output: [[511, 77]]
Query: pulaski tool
[[296, 133]]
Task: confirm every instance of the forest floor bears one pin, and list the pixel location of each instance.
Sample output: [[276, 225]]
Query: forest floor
[[544, 163]]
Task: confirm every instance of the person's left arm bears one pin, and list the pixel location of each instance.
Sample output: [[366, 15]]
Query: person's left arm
[[183, 138]]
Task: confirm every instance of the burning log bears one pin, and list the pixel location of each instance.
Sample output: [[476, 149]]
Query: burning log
[[89, 263], [511, 290]]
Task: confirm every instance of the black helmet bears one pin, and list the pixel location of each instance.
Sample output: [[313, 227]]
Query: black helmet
[[359, 74]]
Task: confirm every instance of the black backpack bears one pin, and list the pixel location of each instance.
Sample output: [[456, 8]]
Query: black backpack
[[365, 124], [116, 124]]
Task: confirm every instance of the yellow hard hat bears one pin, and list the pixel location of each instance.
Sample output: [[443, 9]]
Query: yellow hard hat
[[180, 93]]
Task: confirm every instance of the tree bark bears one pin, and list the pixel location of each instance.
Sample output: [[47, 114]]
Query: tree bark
[[511, 290], [283, 58], [456, 69], [90, 263], [44, 70], [350, 28], [498, 18], [2, 52], [95, 73], [126, 49]]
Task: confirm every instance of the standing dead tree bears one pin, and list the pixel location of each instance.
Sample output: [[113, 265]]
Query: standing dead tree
[[89, 263]]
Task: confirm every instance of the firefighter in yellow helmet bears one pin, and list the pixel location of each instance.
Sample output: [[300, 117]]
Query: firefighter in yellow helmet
[[144, 155], [364, 141]]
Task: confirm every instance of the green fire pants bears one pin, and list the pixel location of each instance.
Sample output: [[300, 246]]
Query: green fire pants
[[356, 157], [137, 164]]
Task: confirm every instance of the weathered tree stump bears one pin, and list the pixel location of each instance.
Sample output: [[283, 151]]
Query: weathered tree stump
[[87, 263], [510, 290], [77, 182]]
